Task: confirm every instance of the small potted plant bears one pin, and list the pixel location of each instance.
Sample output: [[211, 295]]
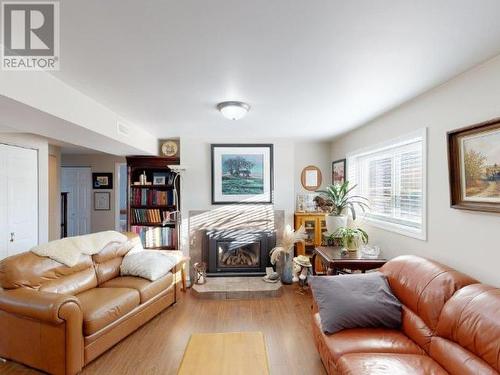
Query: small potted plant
[[351, 237], [338, 199]]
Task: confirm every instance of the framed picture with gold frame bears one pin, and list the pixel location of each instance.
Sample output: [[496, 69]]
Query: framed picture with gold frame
[[311, 178], [474, 166]]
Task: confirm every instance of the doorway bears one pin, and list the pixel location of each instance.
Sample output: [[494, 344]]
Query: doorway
[[77, 182], [121, 197]]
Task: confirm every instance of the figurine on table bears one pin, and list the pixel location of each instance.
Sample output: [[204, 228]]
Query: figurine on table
[[302, 267], [200, 273]]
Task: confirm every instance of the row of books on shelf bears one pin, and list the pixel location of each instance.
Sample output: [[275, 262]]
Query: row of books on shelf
[[151, 197], [149, 216], [154, 236]]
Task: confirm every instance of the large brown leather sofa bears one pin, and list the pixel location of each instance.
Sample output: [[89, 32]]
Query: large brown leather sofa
[[57, 318], [450, 325]]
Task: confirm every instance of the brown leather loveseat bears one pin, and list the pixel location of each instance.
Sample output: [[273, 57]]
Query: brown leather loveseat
[[57, 318], [450, 325]]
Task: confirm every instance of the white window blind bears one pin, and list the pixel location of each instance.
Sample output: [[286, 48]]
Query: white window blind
[[392, 177]]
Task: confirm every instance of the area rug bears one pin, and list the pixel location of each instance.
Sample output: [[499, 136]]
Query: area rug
[[238, 353]]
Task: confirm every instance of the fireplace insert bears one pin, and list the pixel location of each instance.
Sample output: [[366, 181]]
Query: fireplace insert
[[237, 252]]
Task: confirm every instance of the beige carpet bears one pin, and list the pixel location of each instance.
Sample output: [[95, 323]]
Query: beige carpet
[[238, 353]]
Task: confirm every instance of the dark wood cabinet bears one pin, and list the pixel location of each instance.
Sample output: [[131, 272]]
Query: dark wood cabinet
[[153, 201]]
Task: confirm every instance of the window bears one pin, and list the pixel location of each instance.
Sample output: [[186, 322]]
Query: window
[[393, 178]]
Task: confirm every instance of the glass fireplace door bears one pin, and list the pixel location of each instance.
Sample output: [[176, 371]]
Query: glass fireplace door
[[238, 254]]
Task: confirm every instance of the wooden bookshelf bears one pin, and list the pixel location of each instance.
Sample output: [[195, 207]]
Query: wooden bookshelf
[[149, 206]]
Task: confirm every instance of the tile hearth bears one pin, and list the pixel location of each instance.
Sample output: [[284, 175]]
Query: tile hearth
[[236, 288]]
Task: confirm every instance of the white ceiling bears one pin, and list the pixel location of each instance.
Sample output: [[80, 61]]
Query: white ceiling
[[308, 68]]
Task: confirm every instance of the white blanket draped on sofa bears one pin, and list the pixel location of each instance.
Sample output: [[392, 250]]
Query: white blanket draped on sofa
[[68, 250]]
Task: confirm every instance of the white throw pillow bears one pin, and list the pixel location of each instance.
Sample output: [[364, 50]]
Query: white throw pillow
[[148, 264], [136, 245]]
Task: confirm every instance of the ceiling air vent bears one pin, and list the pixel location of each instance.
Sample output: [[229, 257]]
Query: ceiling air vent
[[123, 129]]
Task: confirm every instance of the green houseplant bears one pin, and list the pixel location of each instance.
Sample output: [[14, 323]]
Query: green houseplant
[[339, 199], [351, 237]]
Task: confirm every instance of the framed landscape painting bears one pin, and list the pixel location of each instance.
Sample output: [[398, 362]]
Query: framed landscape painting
[[242, 173], [474, 166]]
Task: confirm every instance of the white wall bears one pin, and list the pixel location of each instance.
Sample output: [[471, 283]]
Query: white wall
[[465, 240], [100, 220], [41, 145], [196, 182]]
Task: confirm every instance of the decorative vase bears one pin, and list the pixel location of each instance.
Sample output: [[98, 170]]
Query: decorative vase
[[285, 268], [334, 222]]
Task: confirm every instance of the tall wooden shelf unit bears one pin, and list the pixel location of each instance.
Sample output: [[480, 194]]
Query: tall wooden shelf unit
[[148, 206]]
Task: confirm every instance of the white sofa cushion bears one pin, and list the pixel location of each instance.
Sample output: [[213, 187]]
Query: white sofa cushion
[[148, 264]]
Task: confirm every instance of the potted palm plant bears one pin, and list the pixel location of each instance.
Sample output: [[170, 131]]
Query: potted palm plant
[[351, 237], [339, 199]]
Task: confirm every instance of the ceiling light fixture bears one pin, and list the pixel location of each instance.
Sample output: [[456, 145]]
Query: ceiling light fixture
[[233, 110]]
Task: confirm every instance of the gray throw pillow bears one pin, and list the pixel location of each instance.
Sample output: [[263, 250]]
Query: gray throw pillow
[[360, 300]]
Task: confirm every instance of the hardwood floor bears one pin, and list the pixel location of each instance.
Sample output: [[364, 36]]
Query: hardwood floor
[[157, 347]]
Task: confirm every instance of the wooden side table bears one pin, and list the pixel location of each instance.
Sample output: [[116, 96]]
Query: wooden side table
[[334, 260], [180, 268], [183, 264]]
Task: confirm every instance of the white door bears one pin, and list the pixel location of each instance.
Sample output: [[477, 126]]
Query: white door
[[77, 183], [19, 203]]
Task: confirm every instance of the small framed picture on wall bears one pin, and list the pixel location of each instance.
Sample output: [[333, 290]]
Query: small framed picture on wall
[[102, 180], [338, 172], [102, 201]]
